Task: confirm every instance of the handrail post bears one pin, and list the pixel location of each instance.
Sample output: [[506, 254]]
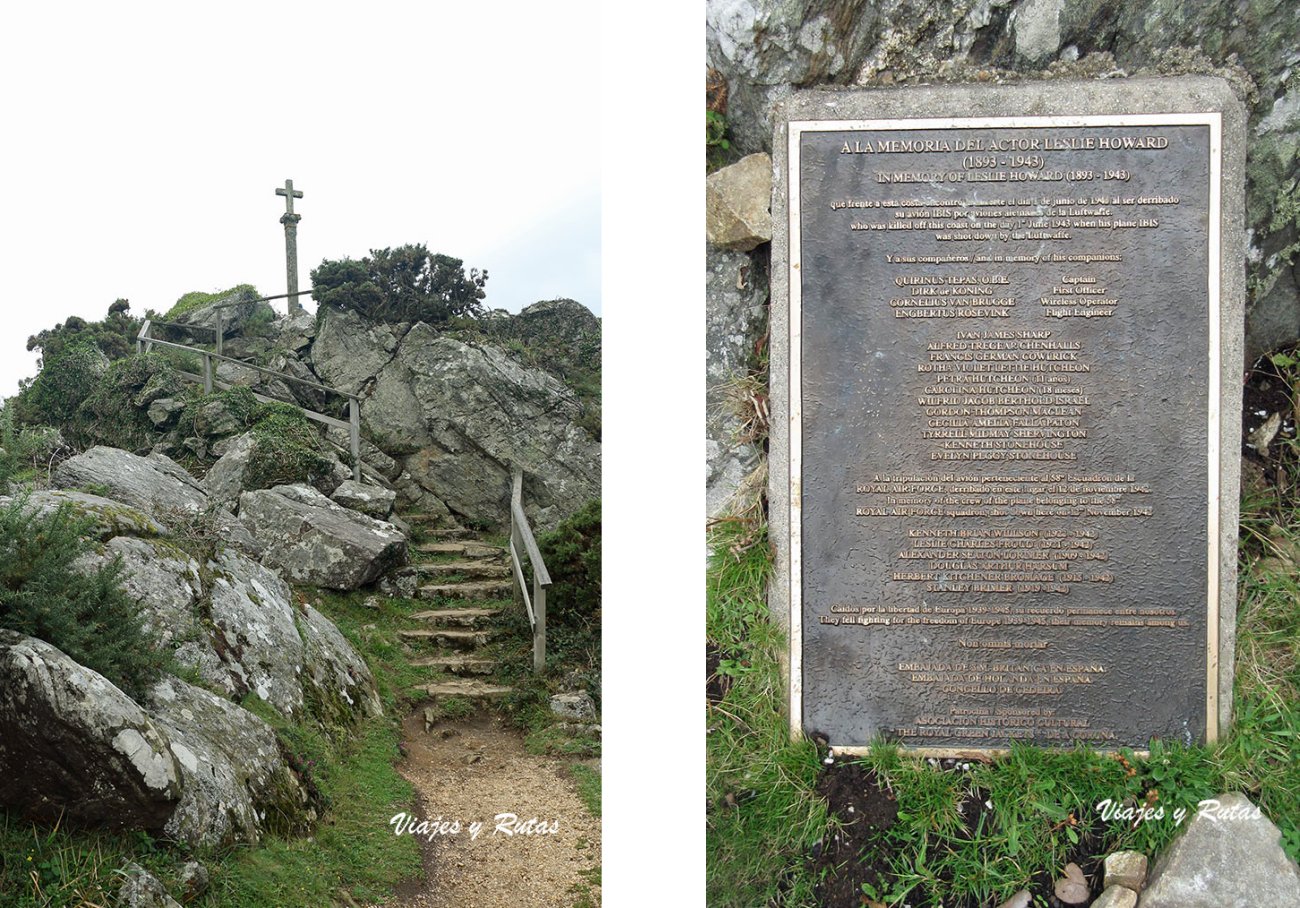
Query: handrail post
[[354, 435], [221, 332], [207, 373], [539, 635]]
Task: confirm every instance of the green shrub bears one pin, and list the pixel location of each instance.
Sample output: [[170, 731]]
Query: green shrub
[[286, 449], [195, 300], [114, 335], [405, 284], [67, 378], [115, 413], [87, 615], [572, 555]]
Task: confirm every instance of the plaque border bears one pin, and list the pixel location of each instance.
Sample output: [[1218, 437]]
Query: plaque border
[[794, 486]]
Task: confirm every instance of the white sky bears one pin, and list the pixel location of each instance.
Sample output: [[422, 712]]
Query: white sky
[[144, 143], [141, 147]]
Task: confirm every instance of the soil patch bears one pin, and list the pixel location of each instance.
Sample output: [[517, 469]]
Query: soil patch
[[856, 850], [477, 771]]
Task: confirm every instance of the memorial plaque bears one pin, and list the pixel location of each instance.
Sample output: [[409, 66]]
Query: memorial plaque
[[1012, 367]]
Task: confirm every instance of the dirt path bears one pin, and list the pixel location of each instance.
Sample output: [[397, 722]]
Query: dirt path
[[471, 771]]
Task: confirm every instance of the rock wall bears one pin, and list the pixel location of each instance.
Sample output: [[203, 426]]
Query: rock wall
[[761, 50]]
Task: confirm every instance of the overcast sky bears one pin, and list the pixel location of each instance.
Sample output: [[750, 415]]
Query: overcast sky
[[144, 143], [141, 150]]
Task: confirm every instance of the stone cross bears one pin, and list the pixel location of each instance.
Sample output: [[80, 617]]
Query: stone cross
[[290, 222]]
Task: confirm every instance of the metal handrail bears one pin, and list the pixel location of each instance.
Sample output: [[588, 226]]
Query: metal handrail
[[144, 343], [522, 534]]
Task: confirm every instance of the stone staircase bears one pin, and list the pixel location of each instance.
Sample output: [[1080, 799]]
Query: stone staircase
[[467, 583]]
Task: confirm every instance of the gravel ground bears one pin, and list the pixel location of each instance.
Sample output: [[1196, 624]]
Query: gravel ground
[[472, 771]]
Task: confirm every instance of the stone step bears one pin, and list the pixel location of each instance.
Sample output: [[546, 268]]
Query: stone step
[[462, 687], [481, 589], [458, 665], [479, 567], [456, 617], [469, 549], [442, 534], [452, 639]]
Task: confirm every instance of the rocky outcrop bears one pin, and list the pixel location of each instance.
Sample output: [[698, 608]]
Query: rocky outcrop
[[141, 889], [235, 782], [467, 414], [233, 317], [454, 416], [736, 318], [335, 678], [107, 518], [254, 633], [349, 350], [312, 540], [371, 500], [763, 49], [225, 479], [74, 745], [155, 484]]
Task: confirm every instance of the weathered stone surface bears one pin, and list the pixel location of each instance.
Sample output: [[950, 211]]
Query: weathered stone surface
[[577, 706], [163, 411], [194, 879], [1072, 887], [738, 202], [1116, 897], [235, 780], [764, 48], [109, 518], [295, 330], [244, 376], [155, 484], [141, 889], [254, 632], [73, 744], [477, 412], [224, 481], [1125, 868], [334, 676], [233, 318], [736, 318], [348, 350], [315, 541], [1229, 854], [165, 581], [371, 500]]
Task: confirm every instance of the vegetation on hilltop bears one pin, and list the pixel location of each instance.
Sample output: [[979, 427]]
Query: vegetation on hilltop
[[114, 335], [405, 284]]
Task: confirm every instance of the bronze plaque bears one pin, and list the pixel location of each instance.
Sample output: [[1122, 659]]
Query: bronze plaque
[[1004, 444]]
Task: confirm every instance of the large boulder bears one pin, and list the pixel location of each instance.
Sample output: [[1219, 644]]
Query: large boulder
[[335, 678], [371, 500], [73, 745], [107, 518], [467, 414], [349, 350], [235, 780], [254, 632], [312, 540], [155, 484], [1228, 855], [225, 479]]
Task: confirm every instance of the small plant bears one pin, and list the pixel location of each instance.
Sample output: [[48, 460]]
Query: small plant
[[85, 613], [717, 146]]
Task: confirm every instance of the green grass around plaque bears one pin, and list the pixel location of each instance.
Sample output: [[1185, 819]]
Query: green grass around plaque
[[969, 833]]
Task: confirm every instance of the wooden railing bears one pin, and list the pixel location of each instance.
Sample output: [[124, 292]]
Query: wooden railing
[[521, 537], [145, 342]]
